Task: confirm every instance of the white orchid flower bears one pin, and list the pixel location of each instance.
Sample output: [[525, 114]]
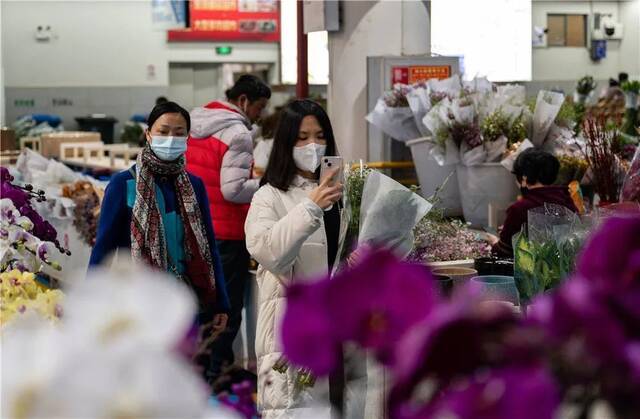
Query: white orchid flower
[[139, 384], [32, 352], [132, 307]]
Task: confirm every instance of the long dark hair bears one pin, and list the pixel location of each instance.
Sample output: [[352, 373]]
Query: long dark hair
[[281, 168]]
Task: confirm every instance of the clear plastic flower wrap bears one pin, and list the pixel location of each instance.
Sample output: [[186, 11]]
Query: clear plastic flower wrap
[[388, 214], [546, 253], [393, 116], [547, 107], [631, 185]]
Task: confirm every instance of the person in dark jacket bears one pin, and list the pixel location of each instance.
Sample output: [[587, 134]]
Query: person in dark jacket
[[535, 172], [160, 214]]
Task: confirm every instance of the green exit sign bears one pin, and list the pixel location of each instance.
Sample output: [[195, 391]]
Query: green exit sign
[[226, 50]]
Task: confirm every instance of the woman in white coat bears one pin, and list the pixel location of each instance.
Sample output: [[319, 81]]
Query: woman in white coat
[[294, 230]]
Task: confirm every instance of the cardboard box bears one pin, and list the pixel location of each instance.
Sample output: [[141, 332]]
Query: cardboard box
[[8, 139], [50, 143]]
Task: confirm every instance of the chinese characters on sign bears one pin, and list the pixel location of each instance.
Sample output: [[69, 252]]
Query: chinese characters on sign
[[231, 20], [416, 74]]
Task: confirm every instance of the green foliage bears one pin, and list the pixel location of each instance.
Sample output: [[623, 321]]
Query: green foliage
[[586, 85], [631, 86]]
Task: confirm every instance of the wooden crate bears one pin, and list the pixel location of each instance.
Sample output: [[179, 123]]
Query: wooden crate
[[50, 143]]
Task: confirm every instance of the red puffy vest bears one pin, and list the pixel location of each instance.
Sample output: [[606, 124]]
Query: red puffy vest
[[204, 159]]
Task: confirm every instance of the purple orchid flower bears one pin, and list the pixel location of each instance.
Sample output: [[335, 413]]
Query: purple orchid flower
[[613, 253], [440, 348], [527, 392], [373, 304], [378, 301], [5, 176], [42, 251], [16, 195], [307, 332]]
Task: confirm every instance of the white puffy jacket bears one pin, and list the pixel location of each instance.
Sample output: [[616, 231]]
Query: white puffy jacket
[[285, 234]]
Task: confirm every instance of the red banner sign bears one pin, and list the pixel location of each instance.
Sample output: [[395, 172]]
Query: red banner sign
[[231, 20], [417, 74]]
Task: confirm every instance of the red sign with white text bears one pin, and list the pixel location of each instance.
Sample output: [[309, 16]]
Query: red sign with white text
[[417, 74], [230, 20]]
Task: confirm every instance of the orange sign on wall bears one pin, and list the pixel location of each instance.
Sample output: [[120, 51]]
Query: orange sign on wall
[[417, 74]]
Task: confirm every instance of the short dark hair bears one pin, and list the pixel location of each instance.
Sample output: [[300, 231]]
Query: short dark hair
[[281, 168], [251, 86], [622, 77], [537, 166], [168, 107]]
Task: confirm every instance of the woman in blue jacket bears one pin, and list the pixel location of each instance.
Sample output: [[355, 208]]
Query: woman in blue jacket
[[161, 213]]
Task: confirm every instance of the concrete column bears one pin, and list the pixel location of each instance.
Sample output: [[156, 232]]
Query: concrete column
[[3, 120], [369, 28]]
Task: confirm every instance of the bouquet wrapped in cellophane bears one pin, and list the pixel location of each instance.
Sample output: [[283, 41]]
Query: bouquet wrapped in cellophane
[[545, 254]]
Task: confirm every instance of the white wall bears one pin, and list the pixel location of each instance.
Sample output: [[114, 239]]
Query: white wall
[[369, 28], [630, 46], [571, 63], [100, 43]]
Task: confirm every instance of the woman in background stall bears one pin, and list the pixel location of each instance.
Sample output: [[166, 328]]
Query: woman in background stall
[[535, 172]]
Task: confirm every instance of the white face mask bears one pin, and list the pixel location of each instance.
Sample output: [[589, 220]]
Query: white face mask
[[168, 148], [308, 157]]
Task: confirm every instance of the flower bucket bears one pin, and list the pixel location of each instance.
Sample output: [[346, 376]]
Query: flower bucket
[[431, 176], [484, 184]]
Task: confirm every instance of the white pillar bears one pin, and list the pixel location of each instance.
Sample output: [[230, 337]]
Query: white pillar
[[3, 121], [369, 28]]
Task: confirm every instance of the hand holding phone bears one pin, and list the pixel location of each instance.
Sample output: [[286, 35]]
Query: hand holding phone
[[330, 163]]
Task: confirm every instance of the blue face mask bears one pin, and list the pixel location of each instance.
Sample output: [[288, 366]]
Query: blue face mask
[[168, 148]]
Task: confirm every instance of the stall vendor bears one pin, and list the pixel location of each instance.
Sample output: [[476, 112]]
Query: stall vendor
[[535, 172]]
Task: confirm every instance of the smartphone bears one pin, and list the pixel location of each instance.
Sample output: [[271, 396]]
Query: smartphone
[[329, 163]]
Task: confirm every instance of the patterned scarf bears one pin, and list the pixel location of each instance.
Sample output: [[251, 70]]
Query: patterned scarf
[[147, 231]]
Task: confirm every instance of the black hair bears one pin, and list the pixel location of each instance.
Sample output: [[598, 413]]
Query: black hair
[[281, 168], [161, 99], [622, 77], [168, 107], [537, 166], [251, 86], [613, 82]]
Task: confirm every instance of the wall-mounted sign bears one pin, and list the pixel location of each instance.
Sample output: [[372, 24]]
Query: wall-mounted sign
[[231, 20], [168, 14], [225, 50], [416, 74]]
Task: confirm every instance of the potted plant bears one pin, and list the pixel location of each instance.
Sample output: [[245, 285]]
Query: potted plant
[[584, 87]]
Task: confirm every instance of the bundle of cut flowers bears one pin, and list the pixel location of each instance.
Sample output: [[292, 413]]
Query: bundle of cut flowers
[[88, 199], [546, 251], [470, 357], [605, 166], [487, 126], [22, 294], [571, 168], [444, 240]]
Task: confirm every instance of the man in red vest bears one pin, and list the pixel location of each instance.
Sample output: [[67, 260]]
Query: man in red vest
[[220, 151]]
